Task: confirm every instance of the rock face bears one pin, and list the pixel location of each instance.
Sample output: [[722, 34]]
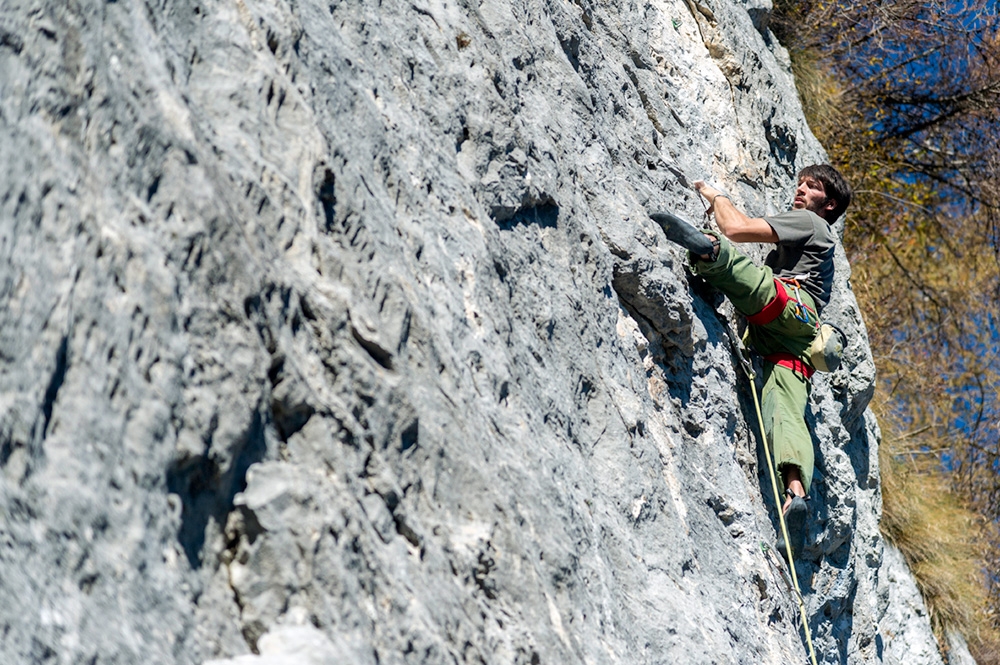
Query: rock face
[[906, 625], [337, 332]]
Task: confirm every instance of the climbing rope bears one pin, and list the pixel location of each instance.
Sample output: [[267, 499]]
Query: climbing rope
[[751, 375], [781, 519]]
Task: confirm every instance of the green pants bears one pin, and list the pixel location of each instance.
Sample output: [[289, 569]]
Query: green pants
[[786, 392]]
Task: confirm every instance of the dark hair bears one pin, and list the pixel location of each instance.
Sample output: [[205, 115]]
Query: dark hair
[[834, 185]]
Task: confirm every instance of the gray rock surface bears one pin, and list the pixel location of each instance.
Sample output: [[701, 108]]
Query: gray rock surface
[[348, 315], [292, 645], [906, 626], [958, 649]]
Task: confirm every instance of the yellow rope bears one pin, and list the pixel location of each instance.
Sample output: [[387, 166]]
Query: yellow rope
[[781, 515]]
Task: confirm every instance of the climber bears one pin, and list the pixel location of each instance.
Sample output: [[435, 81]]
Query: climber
[[782, 301]]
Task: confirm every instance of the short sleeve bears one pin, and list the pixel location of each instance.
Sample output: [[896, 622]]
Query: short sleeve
[[794, 227]]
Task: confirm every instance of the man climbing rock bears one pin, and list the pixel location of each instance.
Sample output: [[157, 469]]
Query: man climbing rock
[[782, 301]]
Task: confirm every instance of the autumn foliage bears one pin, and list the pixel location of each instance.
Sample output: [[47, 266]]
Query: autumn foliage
[[906, 98]]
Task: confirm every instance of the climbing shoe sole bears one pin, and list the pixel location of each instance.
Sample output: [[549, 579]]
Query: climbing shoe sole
[[680, 232]]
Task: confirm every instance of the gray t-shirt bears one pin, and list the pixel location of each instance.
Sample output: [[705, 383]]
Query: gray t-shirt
[[805, 247]]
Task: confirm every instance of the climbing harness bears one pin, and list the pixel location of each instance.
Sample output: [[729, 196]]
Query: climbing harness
[[828, 344], [802, 310], [773, 309], [747, 367], [792, 363]]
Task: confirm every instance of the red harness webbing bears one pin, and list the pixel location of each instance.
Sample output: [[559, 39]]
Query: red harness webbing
[[792, 363], [773, 309]]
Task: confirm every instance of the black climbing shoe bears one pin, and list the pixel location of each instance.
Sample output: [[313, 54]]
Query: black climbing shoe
[[795, 522], [685, 235]]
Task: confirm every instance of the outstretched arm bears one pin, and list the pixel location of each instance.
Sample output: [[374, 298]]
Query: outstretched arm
[[734, 224]]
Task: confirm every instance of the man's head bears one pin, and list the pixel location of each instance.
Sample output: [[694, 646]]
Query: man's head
[[822, 190]]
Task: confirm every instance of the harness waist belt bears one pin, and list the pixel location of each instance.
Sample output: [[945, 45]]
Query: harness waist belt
[[773, 309], [792, 363]]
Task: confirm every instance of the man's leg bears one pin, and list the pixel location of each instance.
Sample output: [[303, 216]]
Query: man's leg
[[791, 476], [748, 286], [784, 404], [751, 288]]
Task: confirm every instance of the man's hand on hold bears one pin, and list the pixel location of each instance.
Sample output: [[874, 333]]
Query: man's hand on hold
[[709, 193], [733, 223]]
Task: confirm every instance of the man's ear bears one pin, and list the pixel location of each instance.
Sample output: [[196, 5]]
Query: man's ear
[[830, 204]]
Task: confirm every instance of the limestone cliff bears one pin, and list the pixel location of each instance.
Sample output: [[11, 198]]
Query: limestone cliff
[[337, 331]]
